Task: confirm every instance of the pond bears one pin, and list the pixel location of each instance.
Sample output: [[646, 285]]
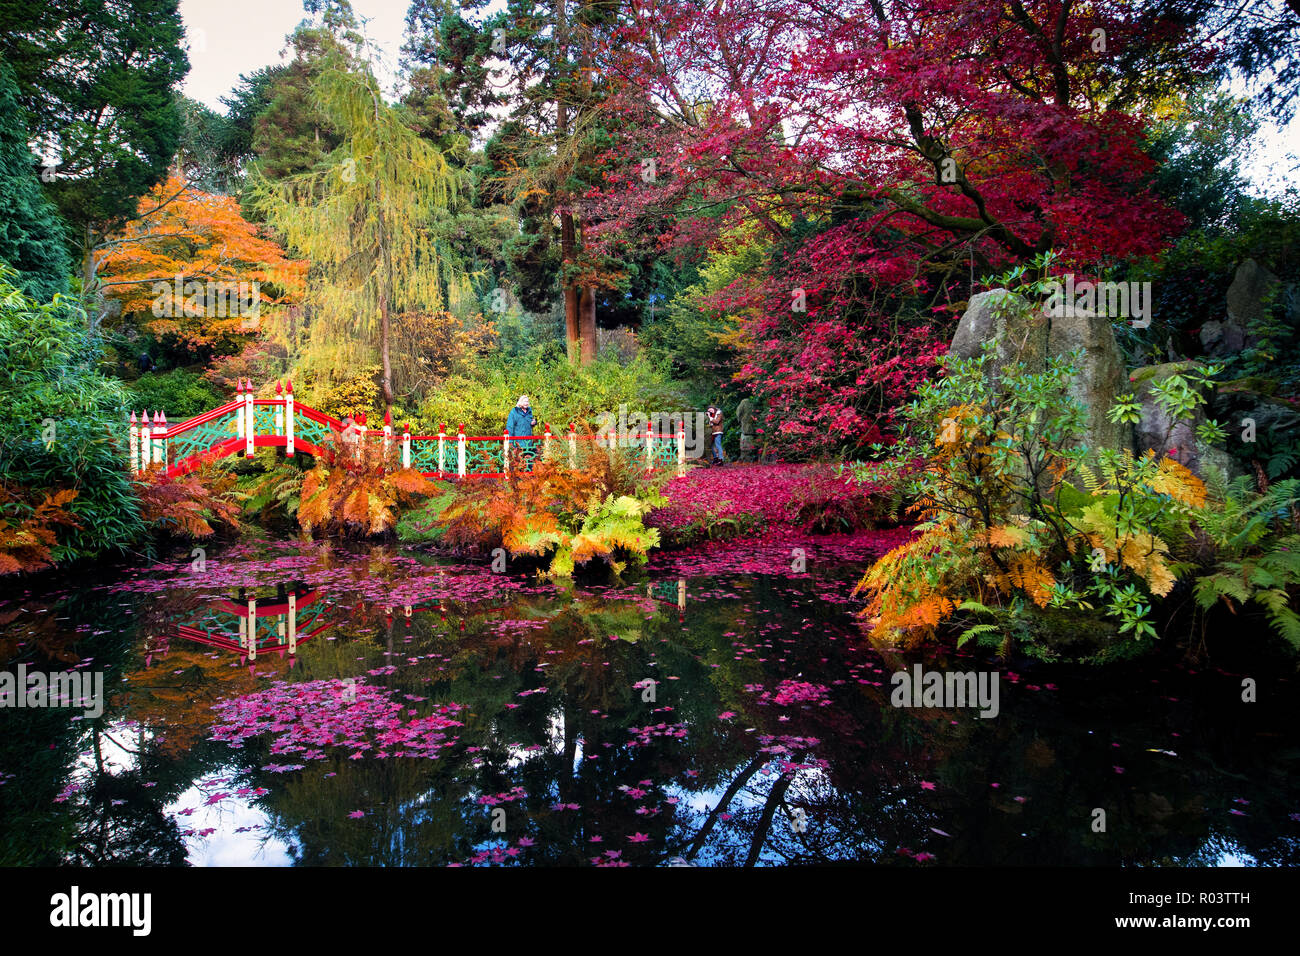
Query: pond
[[306, 704]]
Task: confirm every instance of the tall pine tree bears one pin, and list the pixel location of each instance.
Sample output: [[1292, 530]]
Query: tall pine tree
[[31, 234]]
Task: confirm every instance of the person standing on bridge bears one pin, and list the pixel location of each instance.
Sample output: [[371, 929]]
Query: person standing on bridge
[[521, 423], [715, 426]]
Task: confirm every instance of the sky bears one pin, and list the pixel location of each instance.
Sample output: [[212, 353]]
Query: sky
[[231, 37]]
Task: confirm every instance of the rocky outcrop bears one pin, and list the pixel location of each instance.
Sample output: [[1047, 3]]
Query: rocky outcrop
[[1099, 374], [1249, 298], [1004, 318], [1157, 432], [1030, 337]]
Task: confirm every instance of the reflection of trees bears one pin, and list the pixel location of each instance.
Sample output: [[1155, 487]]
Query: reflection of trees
[[865, 803], [119, 822], [111, 818]]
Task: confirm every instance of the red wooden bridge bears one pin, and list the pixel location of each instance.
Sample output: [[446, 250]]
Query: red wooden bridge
[[249, 422]]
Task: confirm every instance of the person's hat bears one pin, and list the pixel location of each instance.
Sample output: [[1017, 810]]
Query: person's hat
[[523, 401]]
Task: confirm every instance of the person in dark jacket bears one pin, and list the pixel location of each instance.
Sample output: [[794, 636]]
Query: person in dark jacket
[[521, 423]]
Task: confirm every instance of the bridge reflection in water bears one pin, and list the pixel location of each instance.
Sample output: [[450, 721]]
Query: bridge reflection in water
[[249, 625]]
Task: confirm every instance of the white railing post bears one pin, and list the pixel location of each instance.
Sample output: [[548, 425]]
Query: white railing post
[[288, 419], [159, 438], [406, 445], [134, 452], [388, 432], [505, 453], [649, 447], [361, 436], [460, 452], [573, 446], [442, 445], [681, 449], [146, 434], [252, 627], [250, 424], [546, 442], [293, 622]]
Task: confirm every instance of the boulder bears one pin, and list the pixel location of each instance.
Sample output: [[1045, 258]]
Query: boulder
[[1221, 339], [1156, 432], [1088, 341], [1028, 336], [1251, 294], [1018, 330], [1249, 298]]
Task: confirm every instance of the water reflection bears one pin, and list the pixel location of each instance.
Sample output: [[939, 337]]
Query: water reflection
[[375, 707]]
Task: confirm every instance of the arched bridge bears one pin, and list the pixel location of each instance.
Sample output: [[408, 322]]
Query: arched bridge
[[248, 422]]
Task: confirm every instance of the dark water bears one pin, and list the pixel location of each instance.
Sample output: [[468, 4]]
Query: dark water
[[723, 712]]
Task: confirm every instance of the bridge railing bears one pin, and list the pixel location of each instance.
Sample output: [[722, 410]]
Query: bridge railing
[[247, 423]]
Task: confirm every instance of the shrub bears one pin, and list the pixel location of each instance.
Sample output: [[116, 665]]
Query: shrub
[[359, 490], [28, 529], [1015, 516], [481, 397], [273, 491], [63, 424], [826, 499], [716, 504], [184, 506], [179, 394], [569, 515], [421, 525], [1255, 543]]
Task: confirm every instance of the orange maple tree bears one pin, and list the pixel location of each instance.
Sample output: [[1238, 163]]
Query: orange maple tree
[[183, 235]]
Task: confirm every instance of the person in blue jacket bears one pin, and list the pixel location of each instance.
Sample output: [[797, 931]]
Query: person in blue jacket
[[520, 423]]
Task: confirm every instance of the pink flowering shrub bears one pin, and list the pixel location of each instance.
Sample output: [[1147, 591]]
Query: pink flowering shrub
[[718, 503]]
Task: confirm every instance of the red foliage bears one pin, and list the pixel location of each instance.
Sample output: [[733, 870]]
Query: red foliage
[[184, 505], [929, 142], [777, 495]]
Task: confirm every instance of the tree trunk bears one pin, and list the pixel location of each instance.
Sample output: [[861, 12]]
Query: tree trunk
[[385, 294], [571, 322], [587, 325], [572, 294], [383, 350], [90, 300]]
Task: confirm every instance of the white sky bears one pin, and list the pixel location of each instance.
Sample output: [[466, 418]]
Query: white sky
[[230, 37]]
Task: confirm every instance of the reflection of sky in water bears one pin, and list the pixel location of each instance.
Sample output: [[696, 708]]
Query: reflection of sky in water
[[241, 837]]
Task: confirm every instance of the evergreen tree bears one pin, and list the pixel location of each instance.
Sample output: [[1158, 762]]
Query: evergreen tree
[[96, 80], [31, 235]]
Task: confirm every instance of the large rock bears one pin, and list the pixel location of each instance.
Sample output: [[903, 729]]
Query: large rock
[[1004, 318], [1089, 342], [1249, 299], [1157, 432], [1251, 294]]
